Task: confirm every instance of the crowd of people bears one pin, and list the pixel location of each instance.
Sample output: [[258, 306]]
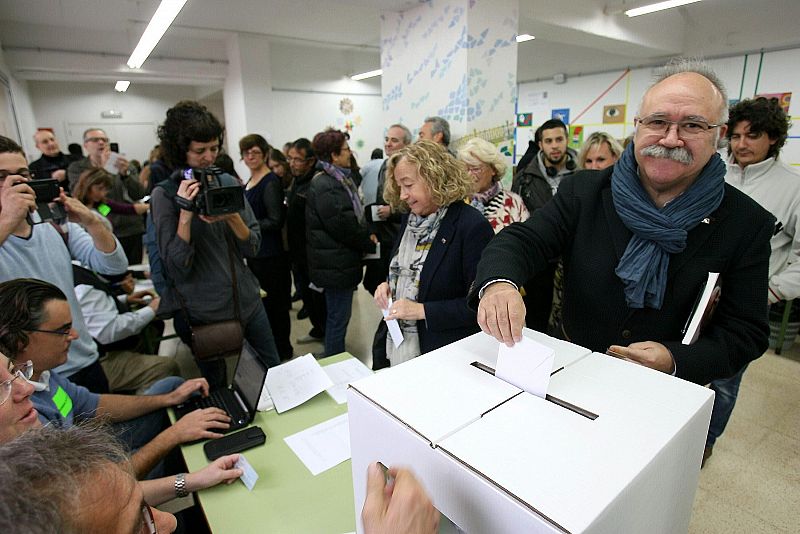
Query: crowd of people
[[603, 246]]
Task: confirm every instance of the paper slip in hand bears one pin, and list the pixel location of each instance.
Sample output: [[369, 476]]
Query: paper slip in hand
[[294, 382], [527, 365], [249, 475], [322, 446], [394, 328], [342, 374]]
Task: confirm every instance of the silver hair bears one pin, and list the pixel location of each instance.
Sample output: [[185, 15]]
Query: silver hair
[[680, 65], [44, 473], [87, 130], [407, 137], [440, 125]]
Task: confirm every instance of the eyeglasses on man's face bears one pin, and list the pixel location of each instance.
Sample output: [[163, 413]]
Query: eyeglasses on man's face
[[97, 139], [66, 331], [690, 128], [24, 370]]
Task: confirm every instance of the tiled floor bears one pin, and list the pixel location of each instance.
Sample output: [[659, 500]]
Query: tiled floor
[[752, 482]]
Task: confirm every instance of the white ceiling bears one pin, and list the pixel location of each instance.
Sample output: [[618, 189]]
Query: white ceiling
[[90, 40]]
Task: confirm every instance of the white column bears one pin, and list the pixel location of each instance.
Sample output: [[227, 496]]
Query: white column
[[452, 58], [247, 94]]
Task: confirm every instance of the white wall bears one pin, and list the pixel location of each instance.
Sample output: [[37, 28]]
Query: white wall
[[70, 108], [778, 75], [18, 117], [304, 114]]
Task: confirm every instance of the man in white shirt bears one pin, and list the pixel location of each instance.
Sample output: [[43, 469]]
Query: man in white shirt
[[121, 333], [757, 129]]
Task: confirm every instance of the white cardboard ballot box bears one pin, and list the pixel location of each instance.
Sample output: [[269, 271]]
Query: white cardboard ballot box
[[620, 452]]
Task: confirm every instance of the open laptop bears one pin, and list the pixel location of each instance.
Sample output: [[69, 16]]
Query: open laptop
[[240, 399]]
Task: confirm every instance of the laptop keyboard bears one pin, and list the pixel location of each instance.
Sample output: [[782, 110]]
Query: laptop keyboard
[[224, 399]]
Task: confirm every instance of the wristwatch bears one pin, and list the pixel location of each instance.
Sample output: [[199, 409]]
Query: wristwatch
[[180, 485]]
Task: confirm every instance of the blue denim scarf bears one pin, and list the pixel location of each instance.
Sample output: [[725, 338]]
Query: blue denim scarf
[[657, 233]]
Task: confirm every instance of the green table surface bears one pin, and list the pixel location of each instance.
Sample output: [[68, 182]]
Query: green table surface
[[286, 497]]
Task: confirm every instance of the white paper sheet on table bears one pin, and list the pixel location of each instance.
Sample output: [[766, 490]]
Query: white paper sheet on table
[[394, 328], [343, 373], [264, 400], [294, 382], [527, 365], [322, 446]]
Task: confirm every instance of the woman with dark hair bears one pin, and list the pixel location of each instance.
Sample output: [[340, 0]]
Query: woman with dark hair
[[92, 188], [337, 234], [198, 250], [435, 259], [277, 163], [264, 192]]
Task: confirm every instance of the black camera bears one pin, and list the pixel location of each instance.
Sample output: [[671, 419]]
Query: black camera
[[214, 198], [47, 209]]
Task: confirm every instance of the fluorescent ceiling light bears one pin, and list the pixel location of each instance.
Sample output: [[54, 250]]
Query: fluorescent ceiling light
[[660, 6], [365, 75], [162, 18], [122, 86], [525, 37]]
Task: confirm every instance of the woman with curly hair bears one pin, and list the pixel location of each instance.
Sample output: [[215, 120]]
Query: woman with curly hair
[[434, 261], [203, 255]]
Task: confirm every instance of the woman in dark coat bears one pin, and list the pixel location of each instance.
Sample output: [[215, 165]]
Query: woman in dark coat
[[337, 234]]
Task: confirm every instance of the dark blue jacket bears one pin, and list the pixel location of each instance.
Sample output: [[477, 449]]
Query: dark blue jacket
[[447, 274]]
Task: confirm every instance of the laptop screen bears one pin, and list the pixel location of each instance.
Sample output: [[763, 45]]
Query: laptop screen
[[249, 377]]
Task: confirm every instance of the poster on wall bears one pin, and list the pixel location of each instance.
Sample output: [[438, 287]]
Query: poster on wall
[[524, 120], [575, 136], [785, 99], [561, 114], [614, 114]]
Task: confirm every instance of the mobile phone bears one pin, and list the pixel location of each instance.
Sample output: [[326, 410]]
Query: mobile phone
[[114, 147], [237, 442]]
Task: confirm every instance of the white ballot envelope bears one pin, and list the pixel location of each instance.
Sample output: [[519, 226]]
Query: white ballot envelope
[[527, 365]]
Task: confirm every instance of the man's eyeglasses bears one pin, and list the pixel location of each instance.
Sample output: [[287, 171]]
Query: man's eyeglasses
[[96, 139], [687, 128], [22, 371], [25, 173], [67, 330], [297, 160]]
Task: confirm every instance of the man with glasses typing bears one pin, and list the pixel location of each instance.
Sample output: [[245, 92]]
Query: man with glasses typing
[[639, 240]]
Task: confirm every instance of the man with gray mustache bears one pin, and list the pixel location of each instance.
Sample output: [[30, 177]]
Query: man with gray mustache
[[639, 240]]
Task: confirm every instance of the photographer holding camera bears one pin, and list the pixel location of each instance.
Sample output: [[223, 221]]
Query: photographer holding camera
[[42, 251], [204, 229]]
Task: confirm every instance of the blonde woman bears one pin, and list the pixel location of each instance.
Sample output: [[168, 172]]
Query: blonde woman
[[500, 206], [434, 260], [599, 151]]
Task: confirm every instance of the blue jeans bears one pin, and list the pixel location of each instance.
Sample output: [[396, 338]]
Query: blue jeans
[[340, 306], [136, 433], [725, 392], [258, 332]]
